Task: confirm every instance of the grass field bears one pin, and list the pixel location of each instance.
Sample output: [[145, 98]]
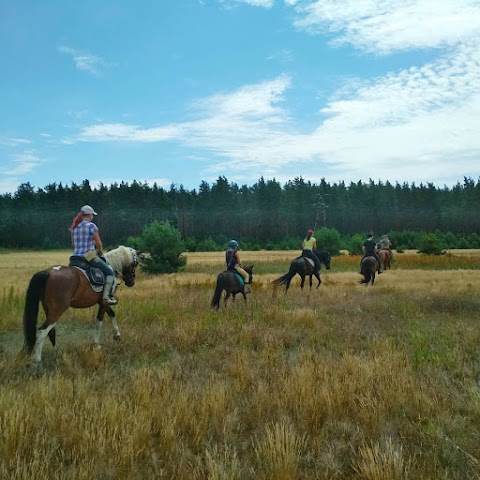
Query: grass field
[[343, 382]]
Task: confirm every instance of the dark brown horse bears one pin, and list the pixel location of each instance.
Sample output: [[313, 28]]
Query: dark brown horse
[[231, 283], [385, 258], [304, 267], [61, 287], [368, 268]]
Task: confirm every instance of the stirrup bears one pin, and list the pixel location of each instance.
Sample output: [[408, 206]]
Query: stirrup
[[246, 288]]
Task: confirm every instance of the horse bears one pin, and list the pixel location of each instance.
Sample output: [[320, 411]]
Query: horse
[[368, 269], [228, 280], [61, 287], [303, 266], [385, 257]]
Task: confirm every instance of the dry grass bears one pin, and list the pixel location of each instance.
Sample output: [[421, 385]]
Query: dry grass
[[344, 382]]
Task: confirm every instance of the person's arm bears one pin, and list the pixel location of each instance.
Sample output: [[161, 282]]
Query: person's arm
[[98, 243], [314, 246], [238, 259], [303, 244]]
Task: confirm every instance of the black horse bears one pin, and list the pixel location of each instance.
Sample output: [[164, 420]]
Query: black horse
[[229, 281], [305, 268], [368, 268]]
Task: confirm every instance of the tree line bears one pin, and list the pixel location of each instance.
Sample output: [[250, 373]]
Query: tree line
[[262, 215]]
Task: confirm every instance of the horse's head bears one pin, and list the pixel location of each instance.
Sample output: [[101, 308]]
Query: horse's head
[[125, 261], [325, 258], [128, 271]]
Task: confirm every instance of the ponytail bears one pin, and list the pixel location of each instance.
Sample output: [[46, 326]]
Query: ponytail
[[76, 221]]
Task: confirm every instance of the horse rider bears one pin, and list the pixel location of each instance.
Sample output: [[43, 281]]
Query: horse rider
[[385, 244], [309, 245], [370, 250], [232, 260], [86, 243]]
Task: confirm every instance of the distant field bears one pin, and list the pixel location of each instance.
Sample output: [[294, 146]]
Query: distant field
[[343, 382]]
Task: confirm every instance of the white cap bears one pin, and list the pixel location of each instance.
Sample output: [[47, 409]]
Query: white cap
[[88, 210]]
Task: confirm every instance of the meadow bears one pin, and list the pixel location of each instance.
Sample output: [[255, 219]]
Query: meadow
[[340, 382]]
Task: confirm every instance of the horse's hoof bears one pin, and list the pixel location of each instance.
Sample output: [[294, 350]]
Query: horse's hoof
[[116, 337], [32, 368]]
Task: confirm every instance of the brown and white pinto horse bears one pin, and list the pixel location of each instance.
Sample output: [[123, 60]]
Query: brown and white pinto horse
[[61, 287]]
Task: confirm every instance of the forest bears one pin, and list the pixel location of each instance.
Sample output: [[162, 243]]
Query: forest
[[262, 214]]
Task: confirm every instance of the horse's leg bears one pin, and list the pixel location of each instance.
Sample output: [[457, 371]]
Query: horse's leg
[[311, 283], [42, 333], [227, 296], [53, 312], [317, 276], [98, 325], [116, 330], [303, 281]]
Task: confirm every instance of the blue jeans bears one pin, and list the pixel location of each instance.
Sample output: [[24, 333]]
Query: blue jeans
[[97, 262]]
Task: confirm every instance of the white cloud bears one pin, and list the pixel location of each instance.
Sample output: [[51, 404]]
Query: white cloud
[[284, 55], [22, 163], [85, 61], [117, 132], [410, 124], [13, 142], [384, 26], [253, 3]]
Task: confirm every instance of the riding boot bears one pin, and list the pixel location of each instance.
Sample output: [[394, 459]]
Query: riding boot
[[108, 289]]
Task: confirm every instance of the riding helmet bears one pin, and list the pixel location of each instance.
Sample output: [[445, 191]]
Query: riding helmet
[[233, 244]]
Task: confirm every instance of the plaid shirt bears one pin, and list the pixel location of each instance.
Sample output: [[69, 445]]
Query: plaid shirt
[[83, 237]]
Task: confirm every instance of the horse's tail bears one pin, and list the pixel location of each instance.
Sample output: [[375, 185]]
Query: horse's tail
[[34, 293], [284, 279], [215, 303]]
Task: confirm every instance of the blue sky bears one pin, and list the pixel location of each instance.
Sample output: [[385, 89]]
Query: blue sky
[[180, 91]]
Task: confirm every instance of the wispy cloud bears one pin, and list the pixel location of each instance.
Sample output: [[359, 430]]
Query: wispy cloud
[[254, 3], [284, 55], [21, 164], [408, 124], [13, 142], [120, 132], [385, 26], [85, 61]]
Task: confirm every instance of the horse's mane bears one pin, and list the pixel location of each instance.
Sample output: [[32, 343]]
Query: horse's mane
[[120, 257]]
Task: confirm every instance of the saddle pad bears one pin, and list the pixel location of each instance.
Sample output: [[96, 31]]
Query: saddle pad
[[309, 260], [240, 278], [96, 288]]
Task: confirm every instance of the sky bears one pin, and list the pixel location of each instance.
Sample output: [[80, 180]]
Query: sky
[[185, 91]]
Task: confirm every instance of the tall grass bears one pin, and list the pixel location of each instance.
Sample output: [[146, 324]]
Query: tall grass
[[343, 382]]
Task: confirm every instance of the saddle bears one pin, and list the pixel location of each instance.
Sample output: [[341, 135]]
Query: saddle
[[94, 275]]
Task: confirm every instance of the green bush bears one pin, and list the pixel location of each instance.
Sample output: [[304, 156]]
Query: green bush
[[163, 247], [207, 245], [328, 239], [354, 245], [429, 244]]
